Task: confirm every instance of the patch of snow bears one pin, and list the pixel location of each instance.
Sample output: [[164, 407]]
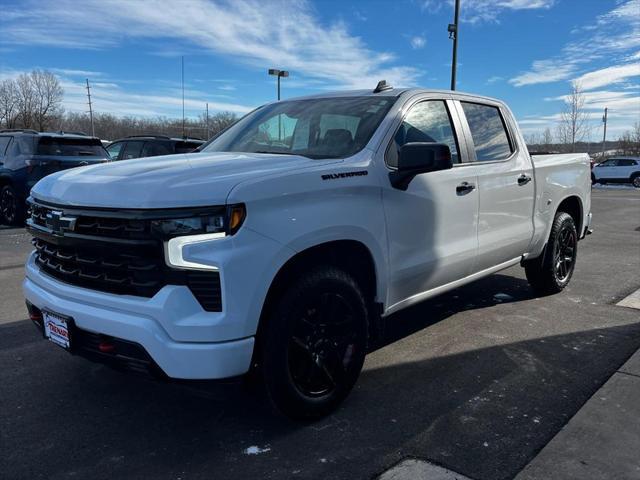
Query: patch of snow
[[502, 297], [255, 450]]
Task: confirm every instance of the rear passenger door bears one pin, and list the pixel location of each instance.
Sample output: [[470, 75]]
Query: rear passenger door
[[505, 184]]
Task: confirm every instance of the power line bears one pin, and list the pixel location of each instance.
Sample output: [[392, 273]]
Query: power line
[[183, 133], [93, 131]]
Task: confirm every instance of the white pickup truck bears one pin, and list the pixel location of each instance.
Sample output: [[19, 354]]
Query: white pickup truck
[[281, 246]]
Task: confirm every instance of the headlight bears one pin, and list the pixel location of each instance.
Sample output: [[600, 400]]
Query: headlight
[[180, 232], [225, 220]]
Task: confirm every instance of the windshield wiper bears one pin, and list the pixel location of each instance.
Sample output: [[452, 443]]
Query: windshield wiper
[[275, 153]]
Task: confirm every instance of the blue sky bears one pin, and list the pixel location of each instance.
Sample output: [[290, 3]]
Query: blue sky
[[525, 52]]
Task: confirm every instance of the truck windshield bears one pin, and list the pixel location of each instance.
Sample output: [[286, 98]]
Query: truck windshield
[[315, 128]]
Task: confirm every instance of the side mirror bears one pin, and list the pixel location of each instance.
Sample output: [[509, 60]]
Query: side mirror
[[416, 158]]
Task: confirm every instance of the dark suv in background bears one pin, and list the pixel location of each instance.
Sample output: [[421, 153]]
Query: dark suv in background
[[137, 146], [26, 156]]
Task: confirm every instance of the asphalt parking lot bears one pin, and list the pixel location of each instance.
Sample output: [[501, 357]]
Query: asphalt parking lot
[[478, 380]]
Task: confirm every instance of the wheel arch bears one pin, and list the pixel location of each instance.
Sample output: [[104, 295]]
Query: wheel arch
[[353, 256], [573, 206]]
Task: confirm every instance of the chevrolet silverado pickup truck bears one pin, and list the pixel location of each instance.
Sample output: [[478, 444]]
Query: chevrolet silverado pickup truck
[[284, 245]]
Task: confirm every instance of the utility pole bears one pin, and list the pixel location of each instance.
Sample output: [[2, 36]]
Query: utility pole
[[453, 34], [604, 136], [93, 130], [183, 134], [207, 118]]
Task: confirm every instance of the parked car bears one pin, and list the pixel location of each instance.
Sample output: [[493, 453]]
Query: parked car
[[136, 146], [282, 246], [26, 156], [617, 170]]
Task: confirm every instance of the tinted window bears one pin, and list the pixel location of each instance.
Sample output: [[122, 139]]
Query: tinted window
[[315, 128], [114, 150], [609, 163], [21, 148], [71, 147], [132, 150], [488, 131], [153, 149], [426, 122], [4, 143], [186, 147], [624, 162]]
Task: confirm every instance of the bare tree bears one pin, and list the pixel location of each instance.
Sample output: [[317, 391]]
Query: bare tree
[[47, 98], [26, 100], [8, 103], [547, 139], [573, 126], [629, 141]]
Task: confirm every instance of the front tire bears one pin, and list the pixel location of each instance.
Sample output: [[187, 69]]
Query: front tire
[[635, 180], [314, 343], [11, 210], [551, 272]]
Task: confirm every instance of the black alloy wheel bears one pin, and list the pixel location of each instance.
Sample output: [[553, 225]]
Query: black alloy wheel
[[565, 253]]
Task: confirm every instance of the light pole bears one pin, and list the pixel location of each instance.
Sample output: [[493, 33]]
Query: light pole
[[453, 34], [604, 136], [280, 74]]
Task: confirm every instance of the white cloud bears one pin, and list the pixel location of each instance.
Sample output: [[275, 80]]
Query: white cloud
[[608, 76], [110, 97], [544, 71], [494, 79], [417, 42], [478, 11], [613, 36], [262, 34]]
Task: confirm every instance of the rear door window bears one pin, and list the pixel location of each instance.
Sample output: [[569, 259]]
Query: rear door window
[[132, 149], [186, 147], [153, 149], [488, 130]]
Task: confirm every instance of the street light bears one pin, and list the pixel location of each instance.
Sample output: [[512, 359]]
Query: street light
[[453, 30], [279, 74]]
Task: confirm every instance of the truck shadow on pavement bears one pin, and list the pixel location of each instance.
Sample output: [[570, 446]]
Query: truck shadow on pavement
[[483, 411]]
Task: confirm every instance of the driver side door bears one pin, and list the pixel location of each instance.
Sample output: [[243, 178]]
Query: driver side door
[[432, 226]]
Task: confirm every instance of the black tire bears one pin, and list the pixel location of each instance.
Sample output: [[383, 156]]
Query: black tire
[[593, 179], [314, 343], [11, 208], [635, 180], [551, 272]]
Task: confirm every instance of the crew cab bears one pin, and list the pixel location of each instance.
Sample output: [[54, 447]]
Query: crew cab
[[285, 244], [617, 170]]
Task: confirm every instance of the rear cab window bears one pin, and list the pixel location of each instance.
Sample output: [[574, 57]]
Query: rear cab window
[[488, 130], [70, 147]]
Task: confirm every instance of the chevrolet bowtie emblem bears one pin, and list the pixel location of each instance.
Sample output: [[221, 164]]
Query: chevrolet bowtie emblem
[[59, 224]]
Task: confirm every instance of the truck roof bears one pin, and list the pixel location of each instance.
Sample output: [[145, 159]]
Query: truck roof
[[392, 92]]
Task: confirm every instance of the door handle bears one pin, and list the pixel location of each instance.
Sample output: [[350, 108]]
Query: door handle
[[464, 188], [523, 179]]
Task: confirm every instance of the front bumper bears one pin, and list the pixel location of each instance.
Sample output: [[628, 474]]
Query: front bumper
[[168, 326]]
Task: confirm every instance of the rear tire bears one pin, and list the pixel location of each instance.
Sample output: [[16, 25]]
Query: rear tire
[[314, 343], [551, 272], [11, 208]]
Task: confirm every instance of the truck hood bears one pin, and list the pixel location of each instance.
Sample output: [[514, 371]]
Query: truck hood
[[196, 179]]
